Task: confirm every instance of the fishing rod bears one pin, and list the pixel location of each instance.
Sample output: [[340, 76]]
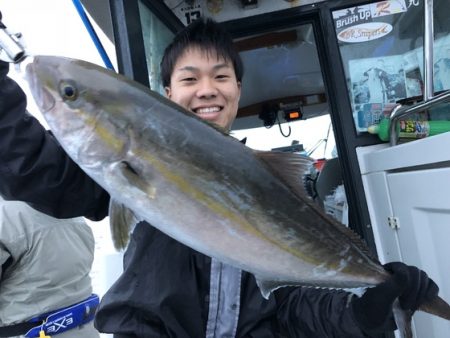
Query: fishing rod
[[92, 33]]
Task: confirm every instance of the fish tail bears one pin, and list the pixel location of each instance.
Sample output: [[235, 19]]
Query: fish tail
[[402, 320], [437, 306]]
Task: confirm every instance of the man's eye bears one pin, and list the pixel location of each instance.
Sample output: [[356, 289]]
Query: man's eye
[[222, 76], [188, 79]]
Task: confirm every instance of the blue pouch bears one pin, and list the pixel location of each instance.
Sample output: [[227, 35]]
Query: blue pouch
[[65, 319]]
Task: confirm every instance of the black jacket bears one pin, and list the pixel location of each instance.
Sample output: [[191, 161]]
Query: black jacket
[[163, 291]]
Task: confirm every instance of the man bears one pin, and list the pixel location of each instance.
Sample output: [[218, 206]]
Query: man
[[44, 270], [168, 289], [376, 79]]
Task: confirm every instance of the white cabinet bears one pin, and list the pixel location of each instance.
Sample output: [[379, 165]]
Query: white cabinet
[[409, 185]]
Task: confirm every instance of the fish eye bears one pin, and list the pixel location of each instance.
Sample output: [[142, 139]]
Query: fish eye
[[68, 91]]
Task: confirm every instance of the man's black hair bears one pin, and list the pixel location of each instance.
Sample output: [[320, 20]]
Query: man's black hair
[[207, 35]]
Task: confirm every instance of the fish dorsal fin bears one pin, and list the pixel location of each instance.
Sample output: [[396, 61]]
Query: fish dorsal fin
[[356, 240], [121, 221], [289, 167]]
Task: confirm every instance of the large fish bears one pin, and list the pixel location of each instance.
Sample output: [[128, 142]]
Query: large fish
[[197, 184]]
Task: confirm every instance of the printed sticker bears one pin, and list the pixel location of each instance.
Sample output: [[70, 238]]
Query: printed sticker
[[365, 32]]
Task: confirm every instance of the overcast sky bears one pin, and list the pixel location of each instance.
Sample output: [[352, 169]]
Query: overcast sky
[[52, 27]]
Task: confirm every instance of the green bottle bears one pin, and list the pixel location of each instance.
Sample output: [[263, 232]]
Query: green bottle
[[411, 129]]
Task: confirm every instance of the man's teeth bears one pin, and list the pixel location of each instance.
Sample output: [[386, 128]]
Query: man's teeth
[[207, 110]]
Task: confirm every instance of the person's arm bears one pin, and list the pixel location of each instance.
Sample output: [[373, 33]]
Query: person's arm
[[33, 166], [332, 313]]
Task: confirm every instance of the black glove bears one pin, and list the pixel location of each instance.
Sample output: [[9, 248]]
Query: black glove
[[373, 311]]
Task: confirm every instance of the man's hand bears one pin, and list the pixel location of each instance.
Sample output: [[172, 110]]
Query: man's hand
[[373, 311]]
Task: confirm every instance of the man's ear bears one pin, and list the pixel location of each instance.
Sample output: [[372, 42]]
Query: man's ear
[[168, 92]]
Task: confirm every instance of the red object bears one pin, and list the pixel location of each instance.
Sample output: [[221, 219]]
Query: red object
[[318, 164]]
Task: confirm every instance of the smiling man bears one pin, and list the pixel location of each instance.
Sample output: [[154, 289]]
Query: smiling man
[[206, 85]]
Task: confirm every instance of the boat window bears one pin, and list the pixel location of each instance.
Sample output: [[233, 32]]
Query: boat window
[[283, 103], [283, 108], [156, 37], [381, 46]]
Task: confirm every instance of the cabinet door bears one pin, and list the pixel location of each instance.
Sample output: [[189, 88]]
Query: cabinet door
[[421, 202]]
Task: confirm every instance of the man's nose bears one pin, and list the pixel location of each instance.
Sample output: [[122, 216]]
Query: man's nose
[[207, 88]]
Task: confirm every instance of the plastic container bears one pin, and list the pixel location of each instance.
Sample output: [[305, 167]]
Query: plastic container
[[410, 129]]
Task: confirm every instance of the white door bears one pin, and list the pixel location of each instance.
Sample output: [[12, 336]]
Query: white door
[[421, 202]]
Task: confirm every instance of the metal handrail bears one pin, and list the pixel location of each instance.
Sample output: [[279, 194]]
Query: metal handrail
[[428, 50], [401, 111], [428, 99]]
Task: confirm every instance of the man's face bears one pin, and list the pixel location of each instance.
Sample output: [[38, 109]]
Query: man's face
[[205, 85]]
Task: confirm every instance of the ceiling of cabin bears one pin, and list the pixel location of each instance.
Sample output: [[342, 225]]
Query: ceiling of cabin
[[100, 12]]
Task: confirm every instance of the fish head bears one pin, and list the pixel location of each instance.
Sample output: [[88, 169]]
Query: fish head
[[72, 95]]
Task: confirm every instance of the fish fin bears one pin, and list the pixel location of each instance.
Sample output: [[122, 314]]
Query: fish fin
[[402, 320], [290, 168], [132, 176], [265, 287], [356, 240], [121, 221], [437, 306]]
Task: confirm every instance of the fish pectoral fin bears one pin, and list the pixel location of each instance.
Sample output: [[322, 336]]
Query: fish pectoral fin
[[121, 222], [132, 176], [289, 167]]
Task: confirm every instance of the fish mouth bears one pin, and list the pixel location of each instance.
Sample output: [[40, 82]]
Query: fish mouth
[[41, 95]]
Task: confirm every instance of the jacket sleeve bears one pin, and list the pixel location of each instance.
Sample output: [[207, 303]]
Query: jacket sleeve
[[33, 166], [312, 312]]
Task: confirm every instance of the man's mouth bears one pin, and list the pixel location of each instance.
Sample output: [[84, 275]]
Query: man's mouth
[[207, 112]]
